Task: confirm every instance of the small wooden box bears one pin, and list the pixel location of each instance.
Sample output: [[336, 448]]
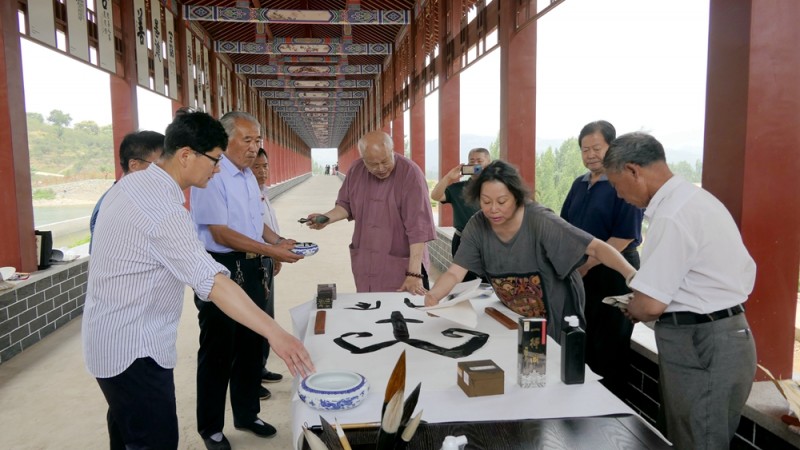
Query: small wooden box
[[326, 291], [478, 378]]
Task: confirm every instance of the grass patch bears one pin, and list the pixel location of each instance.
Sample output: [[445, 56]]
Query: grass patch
[[81, 241], [44, 194]]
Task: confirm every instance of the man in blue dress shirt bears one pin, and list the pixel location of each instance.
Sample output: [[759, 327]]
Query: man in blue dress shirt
[[229, 219]]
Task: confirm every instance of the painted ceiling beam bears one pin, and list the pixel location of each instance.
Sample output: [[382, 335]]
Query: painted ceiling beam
[[312, 94], [314, 71], [303, 46], [307, 102], [324, 109], [296, 16], [308, 84]]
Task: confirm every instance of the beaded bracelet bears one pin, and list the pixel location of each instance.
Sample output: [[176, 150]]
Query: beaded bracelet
[[412, 274]]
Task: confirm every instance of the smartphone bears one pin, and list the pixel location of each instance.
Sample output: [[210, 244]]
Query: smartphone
[[467, 169]]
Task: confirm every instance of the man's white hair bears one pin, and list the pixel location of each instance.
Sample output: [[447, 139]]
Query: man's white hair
[[228, 121], [387, 142]]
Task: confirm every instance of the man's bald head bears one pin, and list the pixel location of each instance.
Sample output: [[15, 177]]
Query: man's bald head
[[377, 152]]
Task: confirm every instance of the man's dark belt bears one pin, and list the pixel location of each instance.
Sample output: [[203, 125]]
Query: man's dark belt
[[236, 255], [690, 318]]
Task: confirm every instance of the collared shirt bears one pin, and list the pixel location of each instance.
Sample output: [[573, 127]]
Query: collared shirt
[[145, 251], [390, 214], [232, 198], [270, 219], [693, 258], [596, 209]]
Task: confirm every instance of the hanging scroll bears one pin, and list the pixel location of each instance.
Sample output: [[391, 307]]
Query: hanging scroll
[[77, 32], [105, 35], [140, 26], [207, 79], [41, 21], [200, 75], [171, 64], [220, 97], [188, 77], [158, 54]]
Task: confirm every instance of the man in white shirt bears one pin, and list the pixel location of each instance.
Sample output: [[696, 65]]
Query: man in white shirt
[[146, 250], [694, 278], [260, 169]]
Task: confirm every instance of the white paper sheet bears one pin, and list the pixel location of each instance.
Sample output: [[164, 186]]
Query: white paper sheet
[[440, 396]]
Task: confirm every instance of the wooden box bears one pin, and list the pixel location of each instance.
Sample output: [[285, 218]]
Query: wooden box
[[478, 378]]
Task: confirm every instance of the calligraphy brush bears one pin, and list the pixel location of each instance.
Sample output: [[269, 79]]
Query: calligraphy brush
[[391, 422], [410, 404], [408, 433], [342, 437], [397, 381], [314, 442], [329, 435]]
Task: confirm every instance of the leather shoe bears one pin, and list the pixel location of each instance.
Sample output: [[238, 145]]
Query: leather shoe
[[214, 445], [264, 393], [270, 377], [257, 427]]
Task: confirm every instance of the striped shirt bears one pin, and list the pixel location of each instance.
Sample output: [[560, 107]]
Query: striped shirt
[[270, 219], [145, 251]]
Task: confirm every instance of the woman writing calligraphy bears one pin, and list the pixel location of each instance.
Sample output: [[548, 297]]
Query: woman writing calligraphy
[[527, 252]]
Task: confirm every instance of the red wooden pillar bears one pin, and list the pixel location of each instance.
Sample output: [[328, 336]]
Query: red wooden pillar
[[750, 156], [398, 127], [518, 94], [17, 241], [417, 139], [124, 99], [449, 99]]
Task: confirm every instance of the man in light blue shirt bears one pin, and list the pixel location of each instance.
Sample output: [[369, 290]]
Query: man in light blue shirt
[[229, 219]]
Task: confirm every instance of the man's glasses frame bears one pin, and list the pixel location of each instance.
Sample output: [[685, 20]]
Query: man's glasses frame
[[215, 160], [142, 161]]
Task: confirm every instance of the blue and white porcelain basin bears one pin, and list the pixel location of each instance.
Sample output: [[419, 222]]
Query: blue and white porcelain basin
[[333, 390], [305, 248]]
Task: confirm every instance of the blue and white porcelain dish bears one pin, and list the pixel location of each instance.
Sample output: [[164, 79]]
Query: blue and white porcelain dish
[[305, 248], [333, 390]]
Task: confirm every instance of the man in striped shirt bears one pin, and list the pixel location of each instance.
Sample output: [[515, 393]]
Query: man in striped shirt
[[146, 251]]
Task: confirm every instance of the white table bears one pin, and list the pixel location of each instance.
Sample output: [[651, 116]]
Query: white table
[[440, 398]]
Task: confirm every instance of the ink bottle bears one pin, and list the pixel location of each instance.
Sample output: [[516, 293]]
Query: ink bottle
[[573, 352]]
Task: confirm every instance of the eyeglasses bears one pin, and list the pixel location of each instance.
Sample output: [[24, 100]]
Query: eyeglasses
[[143, 161], [216, 160]]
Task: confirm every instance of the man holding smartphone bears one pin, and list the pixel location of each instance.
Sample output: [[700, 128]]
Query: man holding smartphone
[[450, 188]]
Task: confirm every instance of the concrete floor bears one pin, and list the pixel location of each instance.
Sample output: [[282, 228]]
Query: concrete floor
[[49, 400]]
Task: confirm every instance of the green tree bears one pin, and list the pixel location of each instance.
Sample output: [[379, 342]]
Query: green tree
[[59, 118], [88, 126], [686, 170], [494, 148], [556, 170], [35, 117]]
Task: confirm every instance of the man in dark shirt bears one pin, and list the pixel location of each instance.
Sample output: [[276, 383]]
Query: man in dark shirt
[[449, 190]]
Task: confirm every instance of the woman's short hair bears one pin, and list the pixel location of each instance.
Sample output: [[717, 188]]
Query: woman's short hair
[[498, 171], [607, 130]]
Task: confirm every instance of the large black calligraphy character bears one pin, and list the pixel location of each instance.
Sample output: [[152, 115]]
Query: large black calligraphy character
[[401, 334]]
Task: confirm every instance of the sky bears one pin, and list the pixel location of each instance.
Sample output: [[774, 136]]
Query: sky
[[640, 64]]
